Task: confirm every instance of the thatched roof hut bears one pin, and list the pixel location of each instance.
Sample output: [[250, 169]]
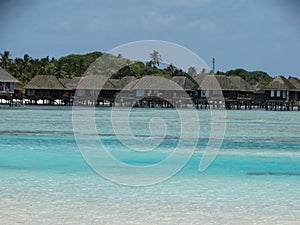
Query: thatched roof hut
[[6, 77], [280, 83], [258, 87], [295, 82], [96, 82], [199, 78], [70, 84], [242, 85], [44, 82], [185, 83], [217, 82], [124, 83], [44, 87], [156, 83], [115, 82], [7, 83], [280, 89]]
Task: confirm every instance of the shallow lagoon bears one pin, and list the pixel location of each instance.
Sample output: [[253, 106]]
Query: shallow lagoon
[[253, 180]]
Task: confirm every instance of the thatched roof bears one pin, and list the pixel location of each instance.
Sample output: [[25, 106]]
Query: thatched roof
[[70, 84], [199, 78], [95, 82], [156, 83], [45, 82], [258, 86], [280, 83], [6, 77], [126, 81], [295, 82], [115, 82], [217, 82], [185, 83], [241, 84]]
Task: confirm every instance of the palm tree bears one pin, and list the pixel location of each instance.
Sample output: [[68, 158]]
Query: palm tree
[[17, 69], [26, 63], [26, 58], [58, 69], [69, 68], [80, 68], [155, 58], [34, 67], [5, 61]]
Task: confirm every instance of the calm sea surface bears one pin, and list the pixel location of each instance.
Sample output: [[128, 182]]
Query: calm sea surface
[[255, 178]]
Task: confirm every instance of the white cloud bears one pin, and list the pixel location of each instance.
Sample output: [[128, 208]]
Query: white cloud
[[154, 19]]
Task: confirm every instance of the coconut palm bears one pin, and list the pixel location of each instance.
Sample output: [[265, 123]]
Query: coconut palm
[[155, 58], [5, 61]]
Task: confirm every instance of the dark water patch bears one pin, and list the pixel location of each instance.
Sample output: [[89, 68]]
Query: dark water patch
[[34, 133], [270, 140], [274, 173], [12, 168], [129, 137], [261, 145]]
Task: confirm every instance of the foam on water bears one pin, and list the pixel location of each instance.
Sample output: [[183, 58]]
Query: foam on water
[[45, 180]]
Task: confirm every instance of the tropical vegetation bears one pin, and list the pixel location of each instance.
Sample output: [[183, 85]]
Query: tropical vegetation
[[25, 68]]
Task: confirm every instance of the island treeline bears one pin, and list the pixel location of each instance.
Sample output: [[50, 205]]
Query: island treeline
[[75, 65]]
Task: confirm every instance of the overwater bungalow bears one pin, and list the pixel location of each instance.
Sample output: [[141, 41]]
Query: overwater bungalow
[[95, 90], [259, 95], [279, 94], [245, 90], [45, 88], [187, 84], [125, 96], [217, 91], [245, 94], [296, 83], [7, 85], [70, 89], [208, 91], [296, 97], [157, 91], [123, 83]]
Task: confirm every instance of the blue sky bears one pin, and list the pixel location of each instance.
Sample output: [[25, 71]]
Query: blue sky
[[250, 34]]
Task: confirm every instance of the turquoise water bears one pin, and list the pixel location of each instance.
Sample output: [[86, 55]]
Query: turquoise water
[[255, 179]]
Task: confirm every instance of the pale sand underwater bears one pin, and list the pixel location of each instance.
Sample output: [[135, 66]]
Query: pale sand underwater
[[45, 180]]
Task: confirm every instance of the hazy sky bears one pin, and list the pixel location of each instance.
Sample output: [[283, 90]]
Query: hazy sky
[[251, 34]]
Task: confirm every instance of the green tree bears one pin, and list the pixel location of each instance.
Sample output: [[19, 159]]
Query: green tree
[[58, 71], [252, 77], [170, 69]]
